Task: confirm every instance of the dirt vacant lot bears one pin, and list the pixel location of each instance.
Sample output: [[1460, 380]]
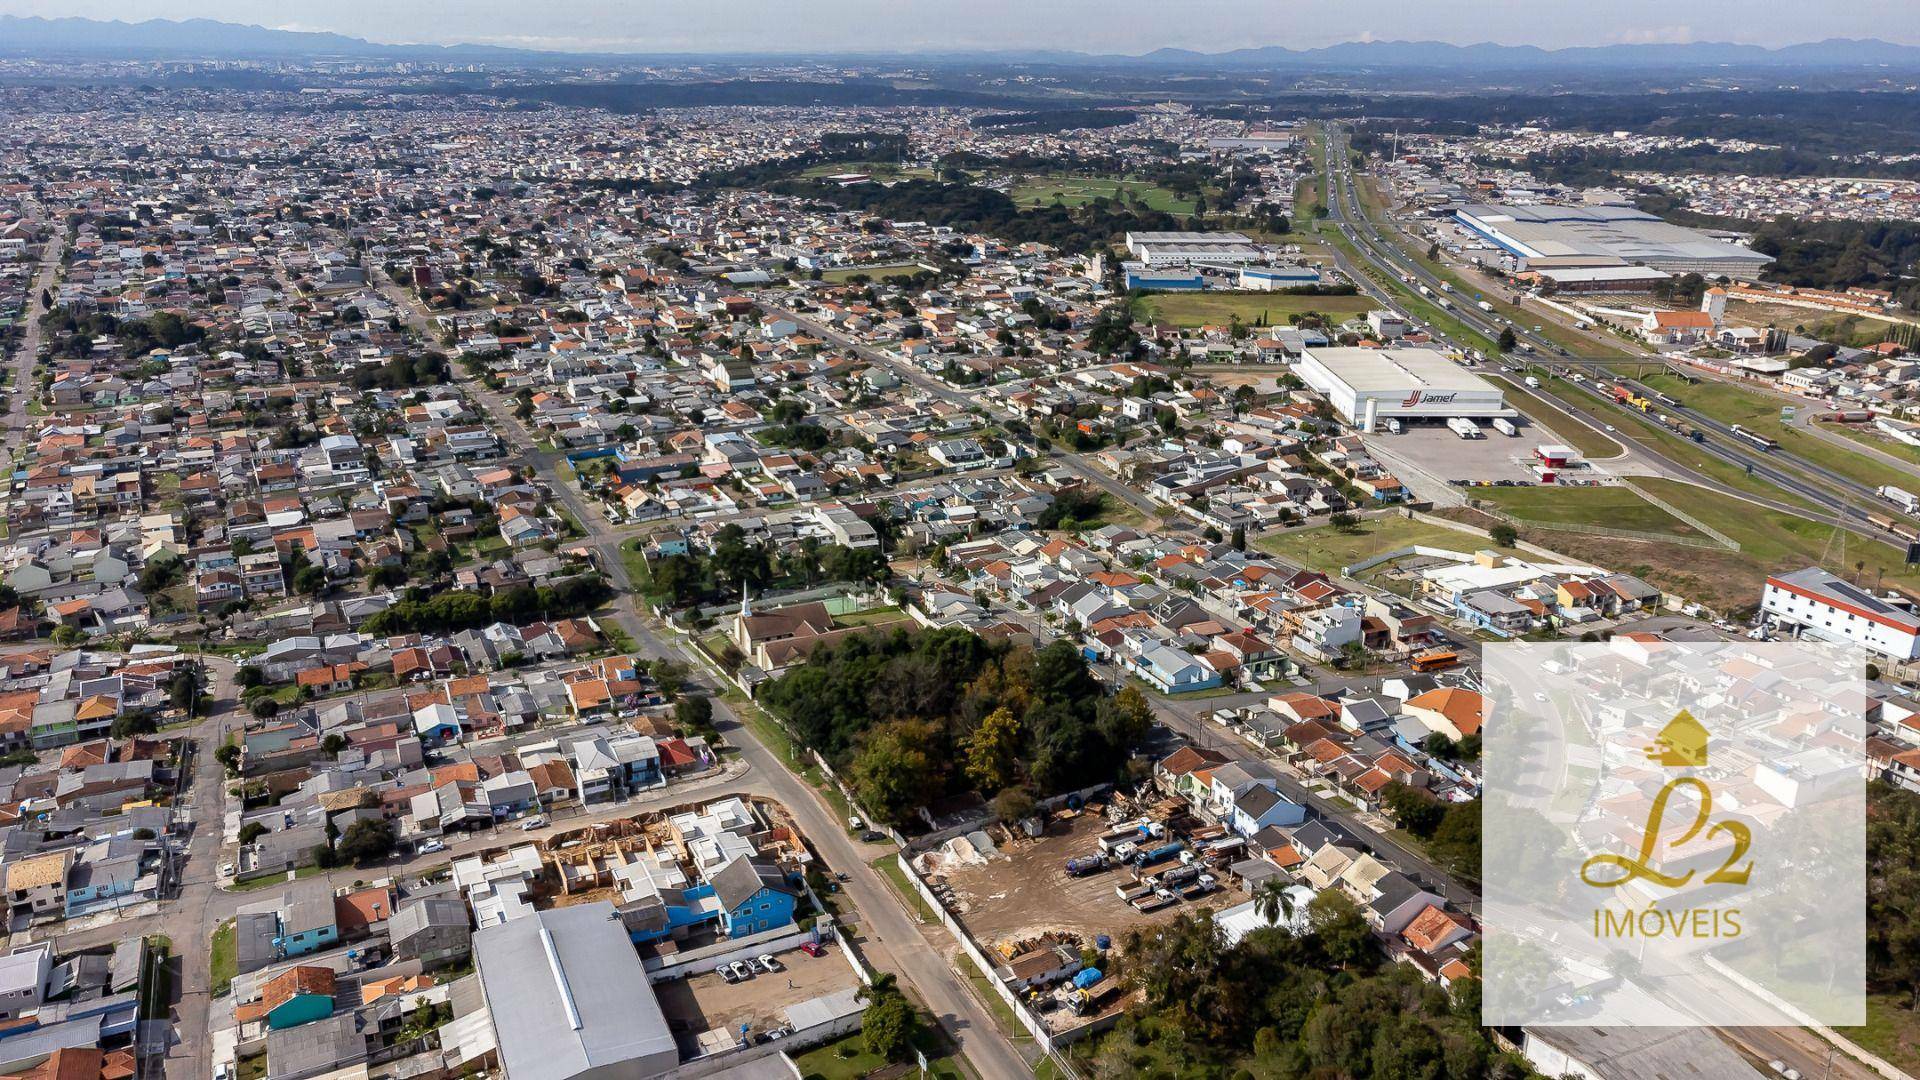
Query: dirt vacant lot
[[1027, 891]]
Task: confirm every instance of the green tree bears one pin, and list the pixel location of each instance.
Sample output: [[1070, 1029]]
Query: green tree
[[1508, 342], [892, 774], [366, 840], [1503, 535], [694, 713], [183, 690], [889, 1023], [993, 750]]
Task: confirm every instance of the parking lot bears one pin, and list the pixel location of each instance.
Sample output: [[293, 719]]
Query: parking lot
[[1444, 456], [1026, 891], [706, 1002]]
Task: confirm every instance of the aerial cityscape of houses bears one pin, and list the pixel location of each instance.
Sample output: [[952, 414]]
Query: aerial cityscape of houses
[[553, 591]]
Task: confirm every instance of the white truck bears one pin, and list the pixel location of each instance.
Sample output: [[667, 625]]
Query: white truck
[[1484, 306], [1464, 428], [1505, 426], [1905, 500], [1533, 381]]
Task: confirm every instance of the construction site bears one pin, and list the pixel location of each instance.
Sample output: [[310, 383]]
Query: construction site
[[1052, 902]]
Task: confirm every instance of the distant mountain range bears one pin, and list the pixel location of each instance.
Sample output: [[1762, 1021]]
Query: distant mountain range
[[206, 38], [196, 38]]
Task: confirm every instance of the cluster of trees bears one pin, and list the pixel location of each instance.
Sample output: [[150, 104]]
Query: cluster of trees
[[736, 563], [1685, 289], [1450, 831], [1047, 120], [403, 373], [1320, 1003], [462, 609], [161, 330], [1074, 508], [367, 840], [911, 718], [1843, 254], [1893, 891], [1091, 227]]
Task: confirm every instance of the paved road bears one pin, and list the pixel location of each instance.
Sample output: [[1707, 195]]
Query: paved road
[[1822, 487], [894, 942], [28, 349]]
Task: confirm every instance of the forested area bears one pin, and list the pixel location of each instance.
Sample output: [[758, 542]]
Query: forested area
[[1324, 1003], [1844, 254], [977, 209], [909, 719], [460, 609]]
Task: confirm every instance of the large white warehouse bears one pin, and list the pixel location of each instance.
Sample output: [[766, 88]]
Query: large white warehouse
[[1366, 386], [1194, 248]]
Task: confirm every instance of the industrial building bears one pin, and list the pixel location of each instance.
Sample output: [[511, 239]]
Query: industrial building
[[1167, 279], [1154, 249], [1598, 279], [1366, 386], [1815, 603], [570, 999], [1545, 237], [1270, 278]]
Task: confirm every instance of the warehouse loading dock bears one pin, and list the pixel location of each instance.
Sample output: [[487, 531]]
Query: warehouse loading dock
[[1367, 387]]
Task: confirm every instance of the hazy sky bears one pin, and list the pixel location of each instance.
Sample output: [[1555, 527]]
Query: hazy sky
[[1130, 26]]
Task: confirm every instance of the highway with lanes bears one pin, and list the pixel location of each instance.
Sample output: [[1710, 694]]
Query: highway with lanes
[[1839, 496]]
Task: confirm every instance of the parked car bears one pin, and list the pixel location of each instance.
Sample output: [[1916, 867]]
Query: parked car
[[741, 970], [430, 846], [872, 836], [726, 973], [768, 964], [226, 869], [537, 821], [811, 948]]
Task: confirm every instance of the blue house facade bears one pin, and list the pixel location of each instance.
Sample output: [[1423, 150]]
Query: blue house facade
[[754, 896], [307, 923]]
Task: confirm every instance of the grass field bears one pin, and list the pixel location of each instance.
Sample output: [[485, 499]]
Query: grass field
[[1045, 190], [1213, 308], [1609, 507], [1841, 328], [1867, 435], [1770, 541], [1328, 549], [1760, 412], [1892, 1031], [875, 273], [846, 1058], [879, 170], [223, 958]]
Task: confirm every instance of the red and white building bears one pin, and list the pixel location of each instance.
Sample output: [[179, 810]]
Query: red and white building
[[1813, 603]]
